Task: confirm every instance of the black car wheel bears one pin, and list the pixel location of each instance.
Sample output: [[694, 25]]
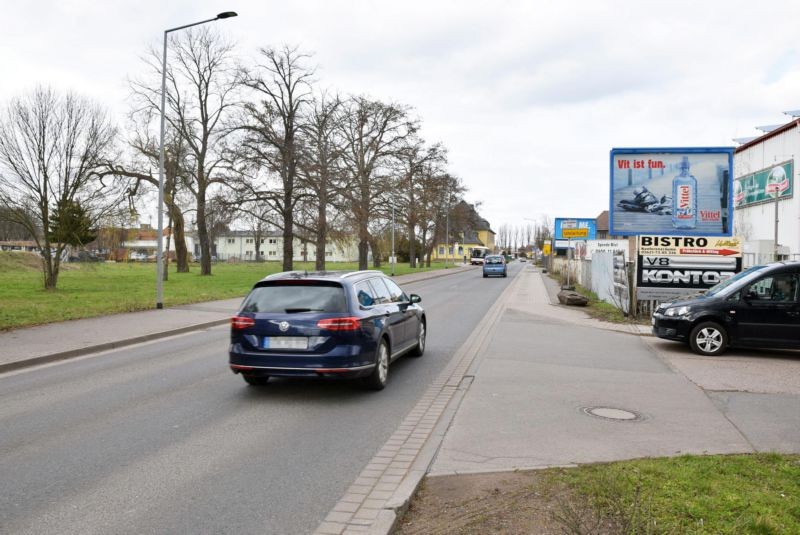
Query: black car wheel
[[380, 375], [419, 350], [485, 275], [708, 338], [255, 380]]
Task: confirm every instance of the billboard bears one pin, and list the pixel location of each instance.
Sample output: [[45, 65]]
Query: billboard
[[575, 229], [674, 267], [585, 249], [671, 191], [762, 186]]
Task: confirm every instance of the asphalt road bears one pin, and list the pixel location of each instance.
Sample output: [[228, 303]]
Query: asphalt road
[[162, 438]]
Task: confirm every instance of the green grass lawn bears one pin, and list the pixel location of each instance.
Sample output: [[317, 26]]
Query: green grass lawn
[[715, 494], [93, 289]]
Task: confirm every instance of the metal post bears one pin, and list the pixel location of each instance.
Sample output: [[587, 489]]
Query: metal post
[[447, 234], [160, 236], [160, 246], [776, 223], [392, 241]]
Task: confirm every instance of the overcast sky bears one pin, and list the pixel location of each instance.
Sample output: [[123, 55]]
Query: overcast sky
[[529, 97]]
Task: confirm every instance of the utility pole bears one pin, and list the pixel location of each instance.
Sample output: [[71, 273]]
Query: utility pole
[[392, 240]]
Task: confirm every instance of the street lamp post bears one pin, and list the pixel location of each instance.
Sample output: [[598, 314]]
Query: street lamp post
[[160, 244], [393, 241]]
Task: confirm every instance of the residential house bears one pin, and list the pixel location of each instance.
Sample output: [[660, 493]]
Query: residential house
[[468, 231]]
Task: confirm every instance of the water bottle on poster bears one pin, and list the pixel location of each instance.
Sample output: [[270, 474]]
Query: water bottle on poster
[[684, 198]]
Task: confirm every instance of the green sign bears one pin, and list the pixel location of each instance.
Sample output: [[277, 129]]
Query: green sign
[[763, 185]]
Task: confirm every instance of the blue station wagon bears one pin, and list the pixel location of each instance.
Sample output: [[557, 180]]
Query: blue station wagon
[[325, 324]]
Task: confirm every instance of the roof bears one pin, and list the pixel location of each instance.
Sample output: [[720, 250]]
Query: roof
[[788, 126], [601, 221]]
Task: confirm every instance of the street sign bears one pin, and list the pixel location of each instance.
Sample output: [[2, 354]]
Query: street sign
[[574, 232], [690, 245]]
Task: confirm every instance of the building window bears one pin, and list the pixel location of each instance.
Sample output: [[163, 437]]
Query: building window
[[273, 240], [328, 253], [460, 250], [249, 240], [262, 240], [451, 249], [441, 250], [272, 253], [231, 240], [249, 253]]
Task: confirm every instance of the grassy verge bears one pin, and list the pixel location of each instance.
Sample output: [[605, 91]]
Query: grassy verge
[[717, 494], [94, 289], [698, 495], [597, 308]]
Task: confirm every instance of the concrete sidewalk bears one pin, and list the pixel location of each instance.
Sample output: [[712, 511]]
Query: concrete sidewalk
[[545, 367], [31, 346]]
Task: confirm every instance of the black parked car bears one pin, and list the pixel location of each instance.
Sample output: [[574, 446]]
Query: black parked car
[[325, 324], [757, 308]]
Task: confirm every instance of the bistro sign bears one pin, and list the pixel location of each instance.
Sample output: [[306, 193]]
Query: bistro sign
[[673, 267]]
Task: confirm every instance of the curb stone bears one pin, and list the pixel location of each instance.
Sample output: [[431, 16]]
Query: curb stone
[[381, 493]]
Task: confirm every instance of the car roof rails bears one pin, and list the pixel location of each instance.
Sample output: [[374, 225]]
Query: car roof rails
[[362, 272]]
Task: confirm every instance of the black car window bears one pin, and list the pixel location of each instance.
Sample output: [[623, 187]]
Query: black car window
[[382, 294], [364, 293], [779, 288], [296, 298], [397, 294]]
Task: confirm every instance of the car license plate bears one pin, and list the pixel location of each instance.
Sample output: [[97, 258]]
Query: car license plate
[[285, 342]]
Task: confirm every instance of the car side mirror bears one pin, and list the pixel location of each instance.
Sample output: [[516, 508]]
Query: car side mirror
[[415, 298]]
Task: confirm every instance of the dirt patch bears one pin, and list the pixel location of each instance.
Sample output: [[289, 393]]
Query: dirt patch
[[520, 502], [19, 261]]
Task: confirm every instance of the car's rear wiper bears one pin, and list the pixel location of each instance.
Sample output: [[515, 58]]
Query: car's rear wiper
[[296, 310]]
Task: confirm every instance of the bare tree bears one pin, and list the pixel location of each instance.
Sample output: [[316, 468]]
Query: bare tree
[[270, 127], [321, 168], [202, 80], [51, 147], [143, 170], [440, 191], [374, 132], [415, 161]]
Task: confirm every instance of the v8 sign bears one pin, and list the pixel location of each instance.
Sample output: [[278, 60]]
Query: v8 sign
[[672, 267]]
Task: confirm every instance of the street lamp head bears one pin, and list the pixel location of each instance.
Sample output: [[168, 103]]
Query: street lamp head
[[227, 15]]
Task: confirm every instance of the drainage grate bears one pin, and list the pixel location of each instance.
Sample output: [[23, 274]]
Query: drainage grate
[[610, 413]]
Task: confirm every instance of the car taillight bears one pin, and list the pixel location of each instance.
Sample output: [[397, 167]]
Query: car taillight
[[339, 324], [241, 322]]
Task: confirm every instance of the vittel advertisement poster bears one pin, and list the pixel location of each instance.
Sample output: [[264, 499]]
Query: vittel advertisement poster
[[672, 191]]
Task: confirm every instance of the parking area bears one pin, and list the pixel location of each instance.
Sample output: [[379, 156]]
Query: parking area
[[760, 371]]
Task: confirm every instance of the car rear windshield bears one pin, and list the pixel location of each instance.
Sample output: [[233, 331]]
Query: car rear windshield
[[293, 297], [494, 259]]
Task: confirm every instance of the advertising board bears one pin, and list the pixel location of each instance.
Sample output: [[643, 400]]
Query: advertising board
[[574, 228], [674, 267], [671, 191], [762, 185], [585, 249]]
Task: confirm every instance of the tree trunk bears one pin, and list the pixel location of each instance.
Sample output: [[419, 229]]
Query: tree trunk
[[181, 252], [412, 261], [322, 233], [288, 246], [363, 245], [376, 253], [202, 237]]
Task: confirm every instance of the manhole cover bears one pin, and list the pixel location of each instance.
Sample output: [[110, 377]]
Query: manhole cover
[[610, 413]]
